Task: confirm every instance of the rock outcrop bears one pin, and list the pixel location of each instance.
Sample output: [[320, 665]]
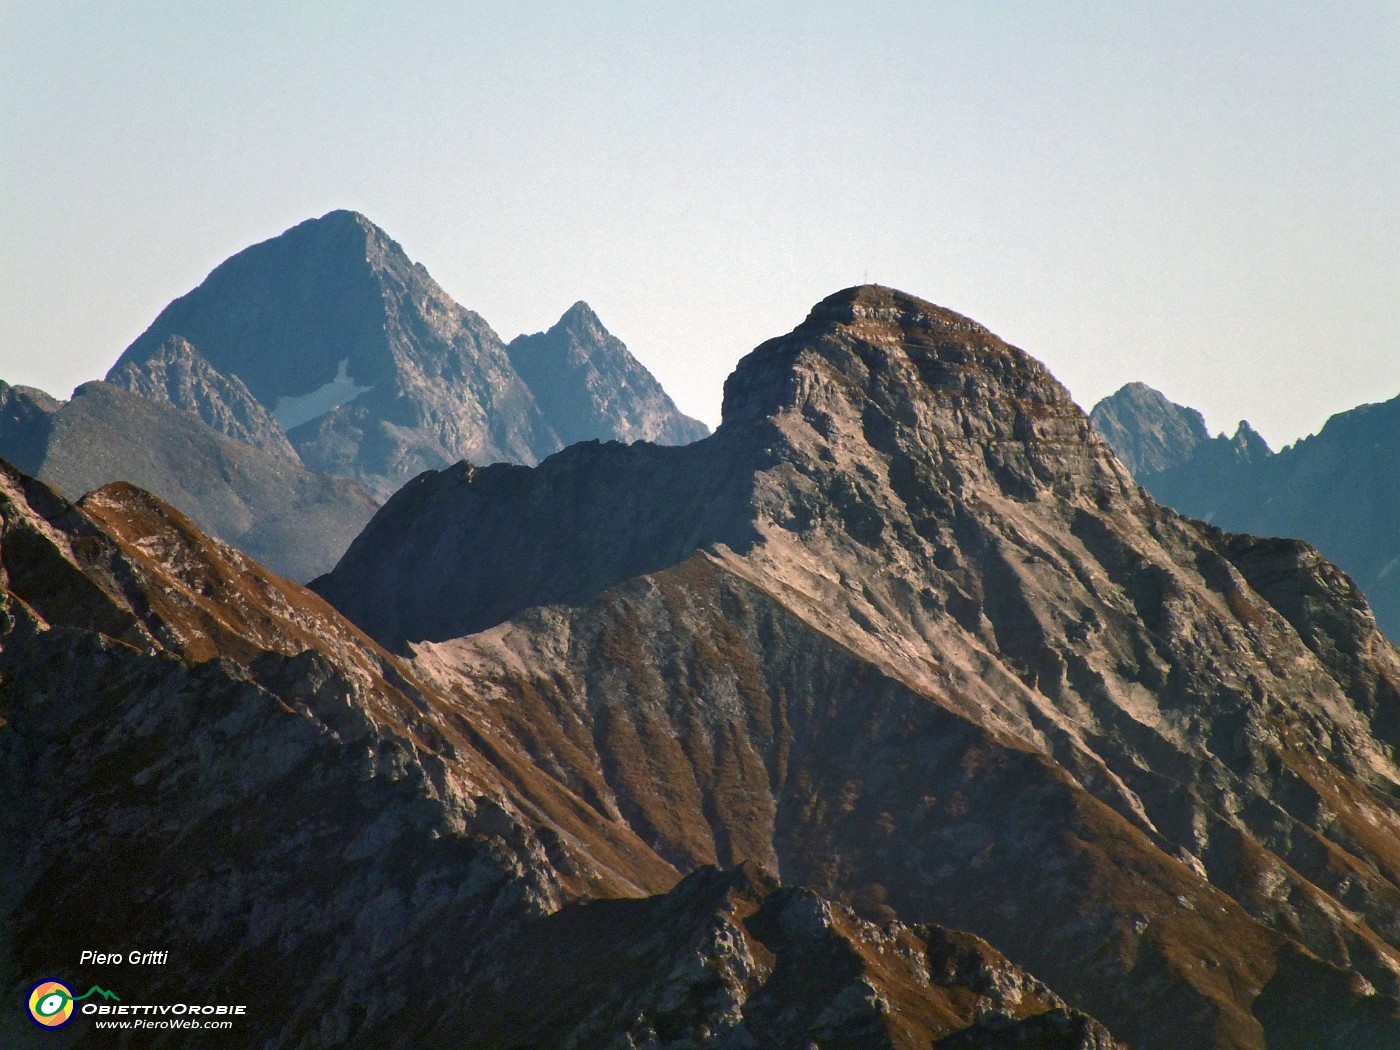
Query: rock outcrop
[[177, 374], [729, 959], [905, 630]]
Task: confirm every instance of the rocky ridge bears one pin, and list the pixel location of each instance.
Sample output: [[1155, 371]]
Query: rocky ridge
[[744, 963], [905, 630], [199, 754], [177, 374]]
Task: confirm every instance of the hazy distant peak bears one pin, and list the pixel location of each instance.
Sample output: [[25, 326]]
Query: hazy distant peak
[[578, 327], [591, 387], [1149, 432], [579, 314], [345, 215]]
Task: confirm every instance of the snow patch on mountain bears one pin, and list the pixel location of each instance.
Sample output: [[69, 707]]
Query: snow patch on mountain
[[294, 411]]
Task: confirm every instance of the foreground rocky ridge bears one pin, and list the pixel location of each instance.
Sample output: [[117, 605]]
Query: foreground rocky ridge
[[198, 754], [1338, 489], [744, 964], [904, 629]]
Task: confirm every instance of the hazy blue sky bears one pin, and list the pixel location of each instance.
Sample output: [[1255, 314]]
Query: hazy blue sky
[[1203, 196]]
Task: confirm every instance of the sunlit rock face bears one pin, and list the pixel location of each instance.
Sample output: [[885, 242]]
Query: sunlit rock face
[[199, 754], [905, 630]]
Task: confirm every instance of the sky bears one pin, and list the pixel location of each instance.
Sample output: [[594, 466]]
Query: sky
[[1201, 196]]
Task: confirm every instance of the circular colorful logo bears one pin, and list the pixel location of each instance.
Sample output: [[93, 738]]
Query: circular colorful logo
[[51, 1004]]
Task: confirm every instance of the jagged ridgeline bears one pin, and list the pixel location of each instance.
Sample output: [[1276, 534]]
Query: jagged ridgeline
[[1338, 489], [903, 632], [329, 342]]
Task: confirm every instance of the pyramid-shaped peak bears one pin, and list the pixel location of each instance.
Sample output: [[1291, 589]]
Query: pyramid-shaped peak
[[580, 314], [340, 230], [581, 328], [344, 216], [591, 387]]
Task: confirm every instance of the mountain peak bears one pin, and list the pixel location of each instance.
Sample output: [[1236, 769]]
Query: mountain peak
[[591, 387], [176, 373], [871, 344], [338, 231], [875, 303], [1149, 432], [343, 216], [342, 220], [906, 594], [332, 318], [578, 315], [1250, 442]]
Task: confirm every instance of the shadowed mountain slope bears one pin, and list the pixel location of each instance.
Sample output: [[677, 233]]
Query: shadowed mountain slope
[[295, 521], [905, 630]]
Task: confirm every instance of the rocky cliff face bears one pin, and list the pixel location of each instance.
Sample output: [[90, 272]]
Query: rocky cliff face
[[177, 374], [200, 755], [372, 370], [293, 520], [1148, 432], [905, 630], [591, 389], [1338, 489]]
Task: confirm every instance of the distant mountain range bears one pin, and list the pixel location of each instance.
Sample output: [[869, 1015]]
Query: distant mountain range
[[1339, 489], [330, 338], [309, 376]]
